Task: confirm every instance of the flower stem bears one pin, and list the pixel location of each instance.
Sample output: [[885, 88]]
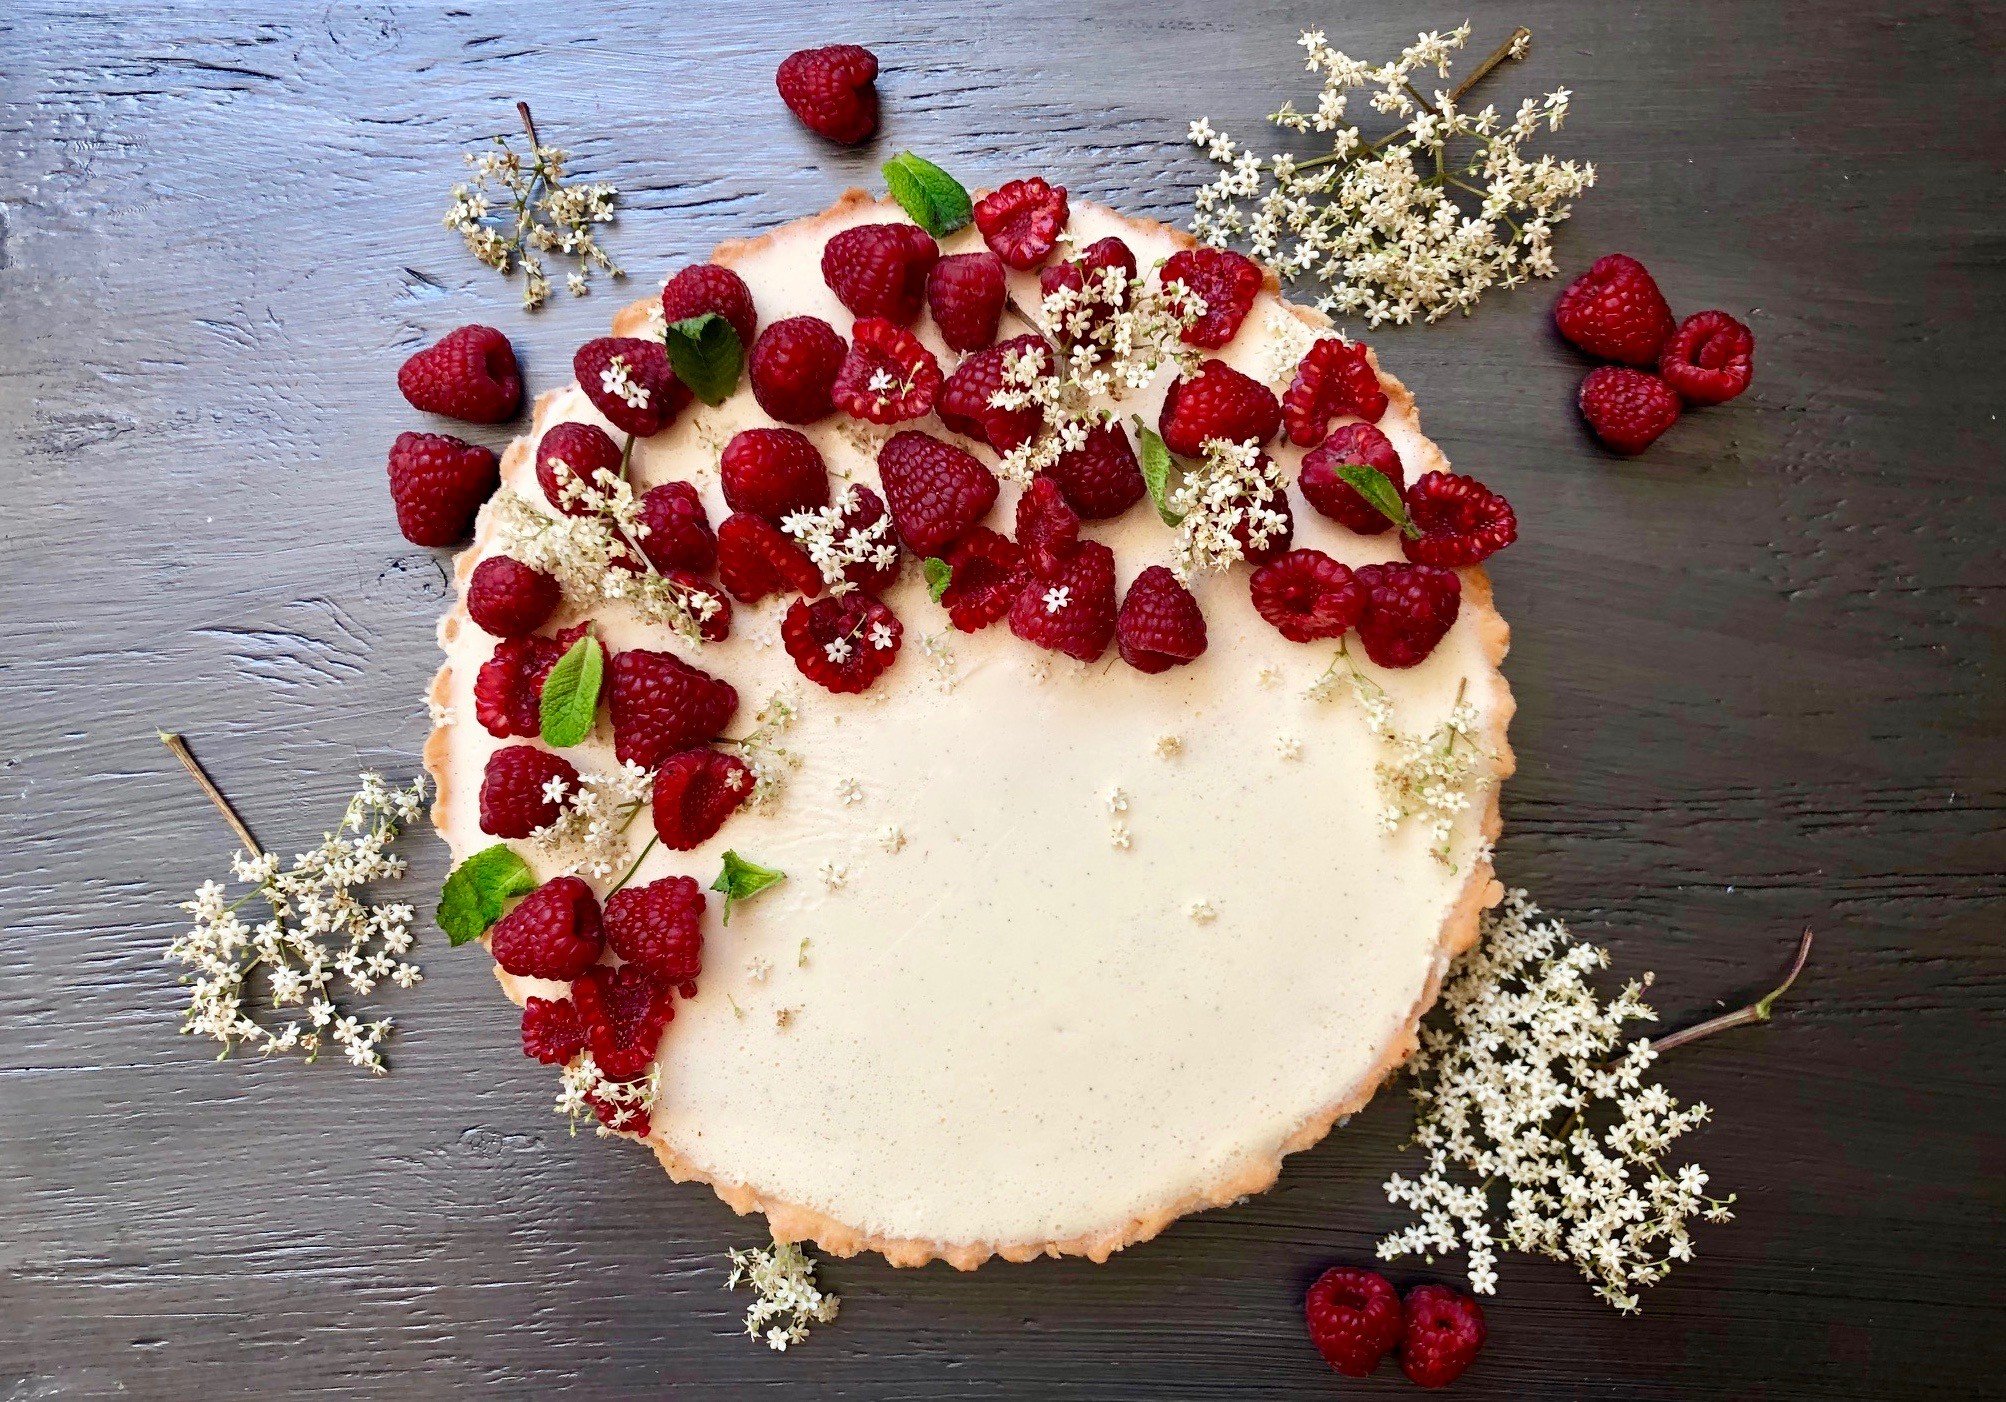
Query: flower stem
[[1483, 70], [1761, 1010], [178, 747], [636, 867], [528, 125]]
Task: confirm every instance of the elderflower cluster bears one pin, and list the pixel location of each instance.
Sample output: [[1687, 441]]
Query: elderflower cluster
[[516, 211], [762, 752], [834, 544], [1228, 503], [1376, 222], [789, 1301], [585, 1092], [320, 936], [589, 833], [1524, 1087]]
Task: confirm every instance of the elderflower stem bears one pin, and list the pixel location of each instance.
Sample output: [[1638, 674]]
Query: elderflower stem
[[1761, 1010], [1476, 75], [622, 882], [1519, 36], [178, 747], [528, 125]]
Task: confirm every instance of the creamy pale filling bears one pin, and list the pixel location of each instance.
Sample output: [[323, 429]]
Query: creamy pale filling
[[972, 1014]]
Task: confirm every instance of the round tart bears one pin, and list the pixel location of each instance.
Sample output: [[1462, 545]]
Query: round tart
[[1063, 952]]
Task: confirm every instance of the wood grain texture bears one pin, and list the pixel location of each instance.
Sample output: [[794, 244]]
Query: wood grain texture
[[1758, 674]]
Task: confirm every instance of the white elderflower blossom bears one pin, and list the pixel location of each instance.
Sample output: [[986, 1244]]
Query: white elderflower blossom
[[589, 834], [835, 545], [543, 215], [619, 382], [1229, 494], [783, 1279], [762, 752], [583, 1090]]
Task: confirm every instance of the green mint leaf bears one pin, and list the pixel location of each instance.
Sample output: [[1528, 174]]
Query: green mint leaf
[[1156, 467], [939, 574], [479, 889], [571, 693], [741, 880], [935, 200], [706, 355], [1379, 493]]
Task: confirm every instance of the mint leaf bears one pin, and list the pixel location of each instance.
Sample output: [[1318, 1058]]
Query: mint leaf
[[935, 200], [741, 880], [1156, 467], [1380, 494], [571, 693], [706, 355], [939, 574], [478, 890]]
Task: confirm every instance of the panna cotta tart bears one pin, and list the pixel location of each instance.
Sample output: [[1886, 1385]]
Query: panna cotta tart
[[974, 746]]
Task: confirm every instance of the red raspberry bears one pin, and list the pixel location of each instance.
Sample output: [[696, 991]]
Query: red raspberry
[[1101, 479], [630, 382], [695, 792], [514, 801], [1227, 281], [508, 690], [842, 644], [1442, 1333], [1335, 377], [1048, 528], [863, 509], [888, 376], [509, 599], [1709, 359], [935, 490], [1277, 542], [1462, 522], [1354, 1319], [1159, 626], [964, 402], [470, 375], [1615, 311], [660, 704], [694, 587], [1071, 610], [1307, 595], [831, 90], [620, 1118], [1022, 222], [755, 560], [1364, 446], [552, 1031], [554, 932], [1408, 609], [1075, 274], [625, 1011], [660, 927], [988, 574], [965, 293], [706, 287], [880, 269], [793, 367], [437, 484], [1217, 402], [773, 472], [678, 536], [573, 452], [1627, 409]]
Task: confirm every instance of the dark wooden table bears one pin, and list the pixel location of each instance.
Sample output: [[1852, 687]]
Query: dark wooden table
[[1758, 672]]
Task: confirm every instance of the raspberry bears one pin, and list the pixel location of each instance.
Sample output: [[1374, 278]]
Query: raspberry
[[831, 90], [1627, 409], [964, 401], [888, 376], [1408, 609], [1462, 522], [469, 375], [678, 535], [1442, 1332], [625, 1011], [1709, 359], [1075, 273], [552, 1031], [1615, 311], [1159, 626], [717, 627], [935, 490], [1277, 542], [1070, 610], [793, 366], [773, 472], [437, 484], [1217, 402], [1335, 377], [573, 452], [880, 269], [842, 644], [863, 509], [554, 932], [508, 690], [1047, 527], [755, 560], [706, 287], [1354, 1319], [660, 704], [1227, 281], [965, 293], [660, 927], [630, 382], [1307, 595], [988, 574], [620, 1118], [1359, 444], [1022, 222], [695, 792], [514, 801], [1101, 478], [507, 598]]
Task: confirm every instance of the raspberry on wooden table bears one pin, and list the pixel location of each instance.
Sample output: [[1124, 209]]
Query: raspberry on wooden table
[[1047, 526], [509, 599], [660, 927], [1022, 221], [1307, 595], [965, 401], [695, 791], [554, 932], [1072, 609], [1462, 522], [1710, 359], [1101, 478], [1628, 410], [842, 644], [625, 1011], [1615, 311], [793, 367], [773, 472], [1354, 1318], [470, 374], [630, 382], [516, 789], [1408, 610], [755, 560], [1350, 444], [880, 269], [934, 489], [678, 534], [437, 484], [660, 704], [965, 293], [1217, 402], [552, 1030], [1441, 1334], [1335, 377], [570, 456], [888, 376], [707, 287], [988, 572], [508, 689], [1227, 282], [1160, 625], [832, 91]]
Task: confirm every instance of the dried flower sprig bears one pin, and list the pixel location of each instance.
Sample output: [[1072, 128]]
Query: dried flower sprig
[[1376, 221], [516, 211], [789, 1301]]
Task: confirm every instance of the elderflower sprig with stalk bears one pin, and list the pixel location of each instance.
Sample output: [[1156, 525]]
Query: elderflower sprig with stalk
[[1226, 505], [788, 1301], [590, 830], [762, 752], [516, 211]]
